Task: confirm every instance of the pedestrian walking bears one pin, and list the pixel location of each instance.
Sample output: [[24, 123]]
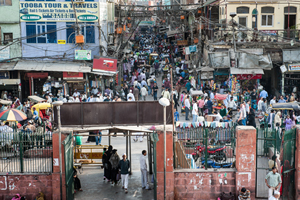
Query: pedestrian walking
[[124, 165], [154, 91], [144, 92], [107, 163], [98, 137], [104, 158], [195, 111], [114, 161], [273, 181], [187, 107], [143, 167]]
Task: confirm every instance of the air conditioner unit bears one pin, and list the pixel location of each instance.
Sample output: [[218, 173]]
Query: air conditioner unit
[[110, 39], [78, 1]]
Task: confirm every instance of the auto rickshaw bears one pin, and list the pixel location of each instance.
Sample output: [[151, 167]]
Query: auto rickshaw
[[152, 58], [42, 109]]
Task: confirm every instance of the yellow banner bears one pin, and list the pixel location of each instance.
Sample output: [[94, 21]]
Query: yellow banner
[[31, 11]]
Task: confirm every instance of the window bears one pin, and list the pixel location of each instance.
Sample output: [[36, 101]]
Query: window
[[222, 10], [5, 2], [110, 27], [267, 20], [87, 29], [37, 29], [243, 21], [267, 10], [8, 37], [292, 9], [267, 16], [242, 10], [39, 0], [70, 32]]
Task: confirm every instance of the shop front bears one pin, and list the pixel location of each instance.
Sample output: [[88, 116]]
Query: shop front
[[9, 81], [244, 80], [291, 78], [57, 78]]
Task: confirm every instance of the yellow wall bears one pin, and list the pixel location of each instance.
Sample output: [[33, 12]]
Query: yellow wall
[[278, 18]]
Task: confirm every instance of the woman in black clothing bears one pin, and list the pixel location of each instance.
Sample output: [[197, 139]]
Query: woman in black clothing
[[251, 118], [77, 184], [107, 166]]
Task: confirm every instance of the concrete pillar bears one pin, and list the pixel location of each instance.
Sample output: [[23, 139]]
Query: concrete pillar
[[246, 158], [55, 174], [169, 163]]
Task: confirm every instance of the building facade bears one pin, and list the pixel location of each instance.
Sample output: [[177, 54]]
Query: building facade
[[10, 46]]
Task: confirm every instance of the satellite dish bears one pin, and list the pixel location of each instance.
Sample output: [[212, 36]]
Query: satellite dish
[[164, 102]]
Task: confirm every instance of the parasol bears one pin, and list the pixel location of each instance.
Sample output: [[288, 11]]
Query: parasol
[[12, 115], [220, 96]]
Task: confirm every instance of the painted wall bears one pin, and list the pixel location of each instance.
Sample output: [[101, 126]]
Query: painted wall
[[9, 23], [53, 49], [278, 19]]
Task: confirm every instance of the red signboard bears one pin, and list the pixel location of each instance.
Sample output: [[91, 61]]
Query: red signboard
[[73, 75], [106, 64], [248, 76]]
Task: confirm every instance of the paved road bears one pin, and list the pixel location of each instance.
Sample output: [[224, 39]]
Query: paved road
[[92, 177]]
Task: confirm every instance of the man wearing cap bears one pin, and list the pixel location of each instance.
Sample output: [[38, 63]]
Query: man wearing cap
[[143, 167], [273, 181], [124, 165]]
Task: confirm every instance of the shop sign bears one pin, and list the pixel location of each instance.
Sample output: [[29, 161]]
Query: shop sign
[[248, 76], [182, 42], [83, 54], [270, 32], [72, 75], [61, 41], [106, 64], [58, 11], [294, 67], [4, 53], [193, 48]]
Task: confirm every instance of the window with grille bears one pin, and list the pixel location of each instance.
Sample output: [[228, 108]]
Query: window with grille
[[5, 2], [242, 10], [292, 9], [8, 37], [41, 32]]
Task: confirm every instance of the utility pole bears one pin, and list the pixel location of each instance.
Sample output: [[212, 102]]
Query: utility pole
[[100, 43], [77, 28]]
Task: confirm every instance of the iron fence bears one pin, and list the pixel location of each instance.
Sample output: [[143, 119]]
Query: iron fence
[[205, 147], [26, 152]]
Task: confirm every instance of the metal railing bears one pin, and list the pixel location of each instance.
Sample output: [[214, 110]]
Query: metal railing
[[205, 147], [26, 152]]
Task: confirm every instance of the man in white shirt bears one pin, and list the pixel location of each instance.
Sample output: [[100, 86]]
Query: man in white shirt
[[76, 93], [49, 100], [144, 92], [212, 96], [273, 100], [130, 95], [143, 167], [231, 105], [187, 105]]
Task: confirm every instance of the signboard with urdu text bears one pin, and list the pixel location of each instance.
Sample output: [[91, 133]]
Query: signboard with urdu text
[[73, 75], [31, 11], [294, 67], [106, 64], [83, 54], [248, 76]]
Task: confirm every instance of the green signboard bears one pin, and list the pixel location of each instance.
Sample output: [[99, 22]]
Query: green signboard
[[83, 54]]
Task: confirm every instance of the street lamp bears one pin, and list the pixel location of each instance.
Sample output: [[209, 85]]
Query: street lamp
[[58, 104], [164, 102]]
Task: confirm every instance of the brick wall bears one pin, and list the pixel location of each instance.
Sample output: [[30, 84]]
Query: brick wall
[[30, 185], [203, 184], [27, 185]]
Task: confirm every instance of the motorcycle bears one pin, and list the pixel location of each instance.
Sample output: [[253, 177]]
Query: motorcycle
[[216, 153]]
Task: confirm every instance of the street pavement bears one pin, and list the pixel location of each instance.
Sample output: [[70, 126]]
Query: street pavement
[[94, 187]]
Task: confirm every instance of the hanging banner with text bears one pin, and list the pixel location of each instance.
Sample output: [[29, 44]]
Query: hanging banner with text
[[31, 11], [106, 64]]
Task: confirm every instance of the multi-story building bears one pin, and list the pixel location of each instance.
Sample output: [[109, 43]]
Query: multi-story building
[[60, 41], [10, 48]]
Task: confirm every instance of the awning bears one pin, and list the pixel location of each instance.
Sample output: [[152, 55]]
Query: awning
[[52, 66], [36, 98], [104, 73], [246, 71], [9, 81], [7, 66], [5, 102], [209, 2]]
